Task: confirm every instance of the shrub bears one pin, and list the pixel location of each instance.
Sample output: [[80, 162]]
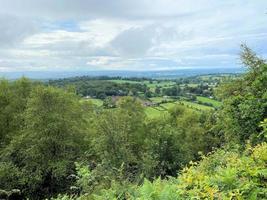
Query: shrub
[[220, 175]]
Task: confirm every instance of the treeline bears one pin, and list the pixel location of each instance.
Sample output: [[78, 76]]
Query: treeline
[[103, 86], [100, 89], [177, 90], [53, 145], [64, 81]]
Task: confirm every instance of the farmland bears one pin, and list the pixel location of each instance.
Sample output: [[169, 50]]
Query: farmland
[[213, 102], [152, 84], [157, 95], [127, 129]]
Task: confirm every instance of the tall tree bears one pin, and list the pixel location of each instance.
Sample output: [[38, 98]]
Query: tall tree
[[50, 142], [120, 134], [13, 99], [245, 100]]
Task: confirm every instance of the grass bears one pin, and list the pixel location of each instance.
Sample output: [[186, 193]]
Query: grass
[[159, 111], [196, 106], [156, 99], [152, 85], [168, 105], [96, 102], [208, 100], [187, 104], [193, 85], [162, 84], [125, 81], [153, 112]]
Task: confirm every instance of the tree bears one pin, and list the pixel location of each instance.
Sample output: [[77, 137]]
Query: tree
[[50, 142], [173, 141], [120, 135], [13, 101], [109, 103], [148, 93], [158, 90], [245, 101]]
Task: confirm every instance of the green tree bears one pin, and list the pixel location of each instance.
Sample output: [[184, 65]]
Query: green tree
[[174, 140], [13, 99], [49, 144], [109, 103], [245, 101], [158, 90], [120, 135]]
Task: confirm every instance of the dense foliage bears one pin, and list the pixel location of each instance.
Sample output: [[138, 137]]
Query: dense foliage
[[56, 145], [99, 88], [220, 175], [102, 87], [245, 101]]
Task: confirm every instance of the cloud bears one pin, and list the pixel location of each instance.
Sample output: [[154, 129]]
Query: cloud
[[102, 8], [140, 41], [134, 42], [101, 61], [14, 30], [124, 34]]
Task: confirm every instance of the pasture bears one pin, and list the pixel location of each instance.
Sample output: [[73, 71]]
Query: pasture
[[214, 103]]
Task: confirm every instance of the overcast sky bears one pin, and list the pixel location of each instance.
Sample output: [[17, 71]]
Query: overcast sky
[[73, 35]]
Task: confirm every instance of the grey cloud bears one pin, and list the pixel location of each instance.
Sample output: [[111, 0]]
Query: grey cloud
[[101, 8], [78, 49], [179, 28], [13, 30], [69, 8], [155, 9], [72, 49], [134, 42]]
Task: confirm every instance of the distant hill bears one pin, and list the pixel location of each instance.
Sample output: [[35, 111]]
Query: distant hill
[[148, 74]]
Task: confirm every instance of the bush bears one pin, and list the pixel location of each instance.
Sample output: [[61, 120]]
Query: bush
[[220, 175]]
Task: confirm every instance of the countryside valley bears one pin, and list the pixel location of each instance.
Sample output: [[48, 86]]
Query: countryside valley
[[155, 95], [126, 138]]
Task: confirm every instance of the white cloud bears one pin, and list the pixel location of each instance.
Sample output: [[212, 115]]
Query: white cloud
[[124, 34], [101, 61]]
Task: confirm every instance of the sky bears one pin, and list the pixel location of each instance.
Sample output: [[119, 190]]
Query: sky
[[85, 35]]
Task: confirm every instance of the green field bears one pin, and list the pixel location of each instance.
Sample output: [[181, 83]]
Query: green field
[[190, 85], [152, 85], [187, 104], [156, 99], [159, 111], [162, 84], [154, 112], [196, 106], [168, 105], [208, 100], [162, 109], [124, 81], [96, 102]]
